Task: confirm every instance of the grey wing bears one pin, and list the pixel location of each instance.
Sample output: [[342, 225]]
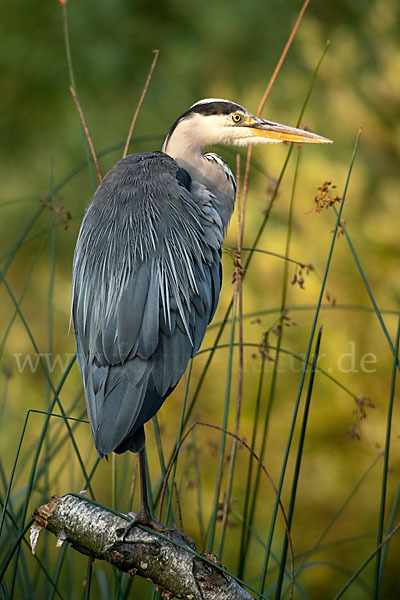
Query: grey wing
[[147, 275]]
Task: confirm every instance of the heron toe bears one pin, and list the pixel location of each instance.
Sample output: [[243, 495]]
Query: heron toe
[[144, 518]]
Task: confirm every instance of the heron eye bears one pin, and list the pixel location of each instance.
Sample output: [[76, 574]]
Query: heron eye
[[236, 118]]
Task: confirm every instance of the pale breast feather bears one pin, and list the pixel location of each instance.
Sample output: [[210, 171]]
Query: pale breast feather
[[219, 161]]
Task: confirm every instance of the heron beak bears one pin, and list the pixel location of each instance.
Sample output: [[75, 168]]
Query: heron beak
[[283, 133]]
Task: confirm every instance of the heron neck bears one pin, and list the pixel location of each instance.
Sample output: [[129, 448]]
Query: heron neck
[[206, 172]]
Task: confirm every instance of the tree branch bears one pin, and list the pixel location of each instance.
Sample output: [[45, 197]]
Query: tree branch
[[167, 559]]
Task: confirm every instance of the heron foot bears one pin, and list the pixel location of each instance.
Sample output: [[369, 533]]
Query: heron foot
[[145, 518]]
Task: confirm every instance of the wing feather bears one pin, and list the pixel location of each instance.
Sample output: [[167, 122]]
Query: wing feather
[[131, 308], [147, 275], [149, 331]]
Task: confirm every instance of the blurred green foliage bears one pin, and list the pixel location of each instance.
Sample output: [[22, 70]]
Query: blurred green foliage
[[228, 50]]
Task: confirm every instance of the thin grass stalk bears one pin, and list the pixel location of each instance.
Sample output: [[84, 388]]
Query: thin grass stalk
[[139, 106], [153, 593], [225, 319], [271, 589], [87, 133], [198, 490], [9, 256], [13, 470], [149, 488], [304, 308], [280, 332], [127, 587], [50, 292], [35, 460], [366, 562], [332, 544], [27, 281], [246, 526], [244, 444], [241, 207], [93, 470], [228, 491], [282, 57], [224, 427], [47, 374], [298, 357], [306, 359], [370, 294], [15, 247], [50, 317], [40, 471], [262, 450], [88, 579], [288, 240], [178, 439], [157, 434], [116, 589], [55, 444], [4, 396], [378, 565], [299, 263], [278, 347], [14, 548], [296, 474], [53, 583], [23, 579], [170, 540], [286, 162], [342, 540], [24, 232], [59, 566], [178, 505], [258, 236], [73, 84], [317, 545], [393, 515], [268, 89]]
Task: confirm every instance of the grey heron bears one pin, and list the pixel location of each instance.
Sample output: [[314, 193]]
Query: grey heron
[[147, 269]]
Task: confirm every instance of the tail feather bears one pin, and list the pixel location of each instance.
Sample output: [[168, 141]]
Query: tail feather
[[120, 400]]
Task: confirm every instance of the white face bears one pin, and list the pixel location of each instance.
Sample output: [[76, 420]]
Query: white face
[[241, 128], [238, 128], [232, 129]]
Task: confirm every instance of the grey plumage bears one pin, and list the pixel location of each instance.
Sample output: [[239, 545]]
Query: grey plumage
[[147, 267], [147, 275]]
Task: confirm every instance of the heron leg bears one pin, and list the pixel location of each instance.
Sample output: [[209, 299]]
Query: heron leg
[[144, 516]]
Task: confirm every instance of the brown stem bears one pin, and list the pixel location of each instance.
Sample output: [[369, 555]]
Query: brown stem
[[86, 128], [146, 85]]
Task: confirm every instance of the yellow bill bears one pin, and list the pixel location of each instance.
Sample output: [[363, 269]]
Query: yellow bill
[[275, 132]]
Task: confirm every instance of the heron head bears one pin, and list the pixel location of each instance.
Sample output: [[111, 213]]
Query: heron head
[[217, 121]]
